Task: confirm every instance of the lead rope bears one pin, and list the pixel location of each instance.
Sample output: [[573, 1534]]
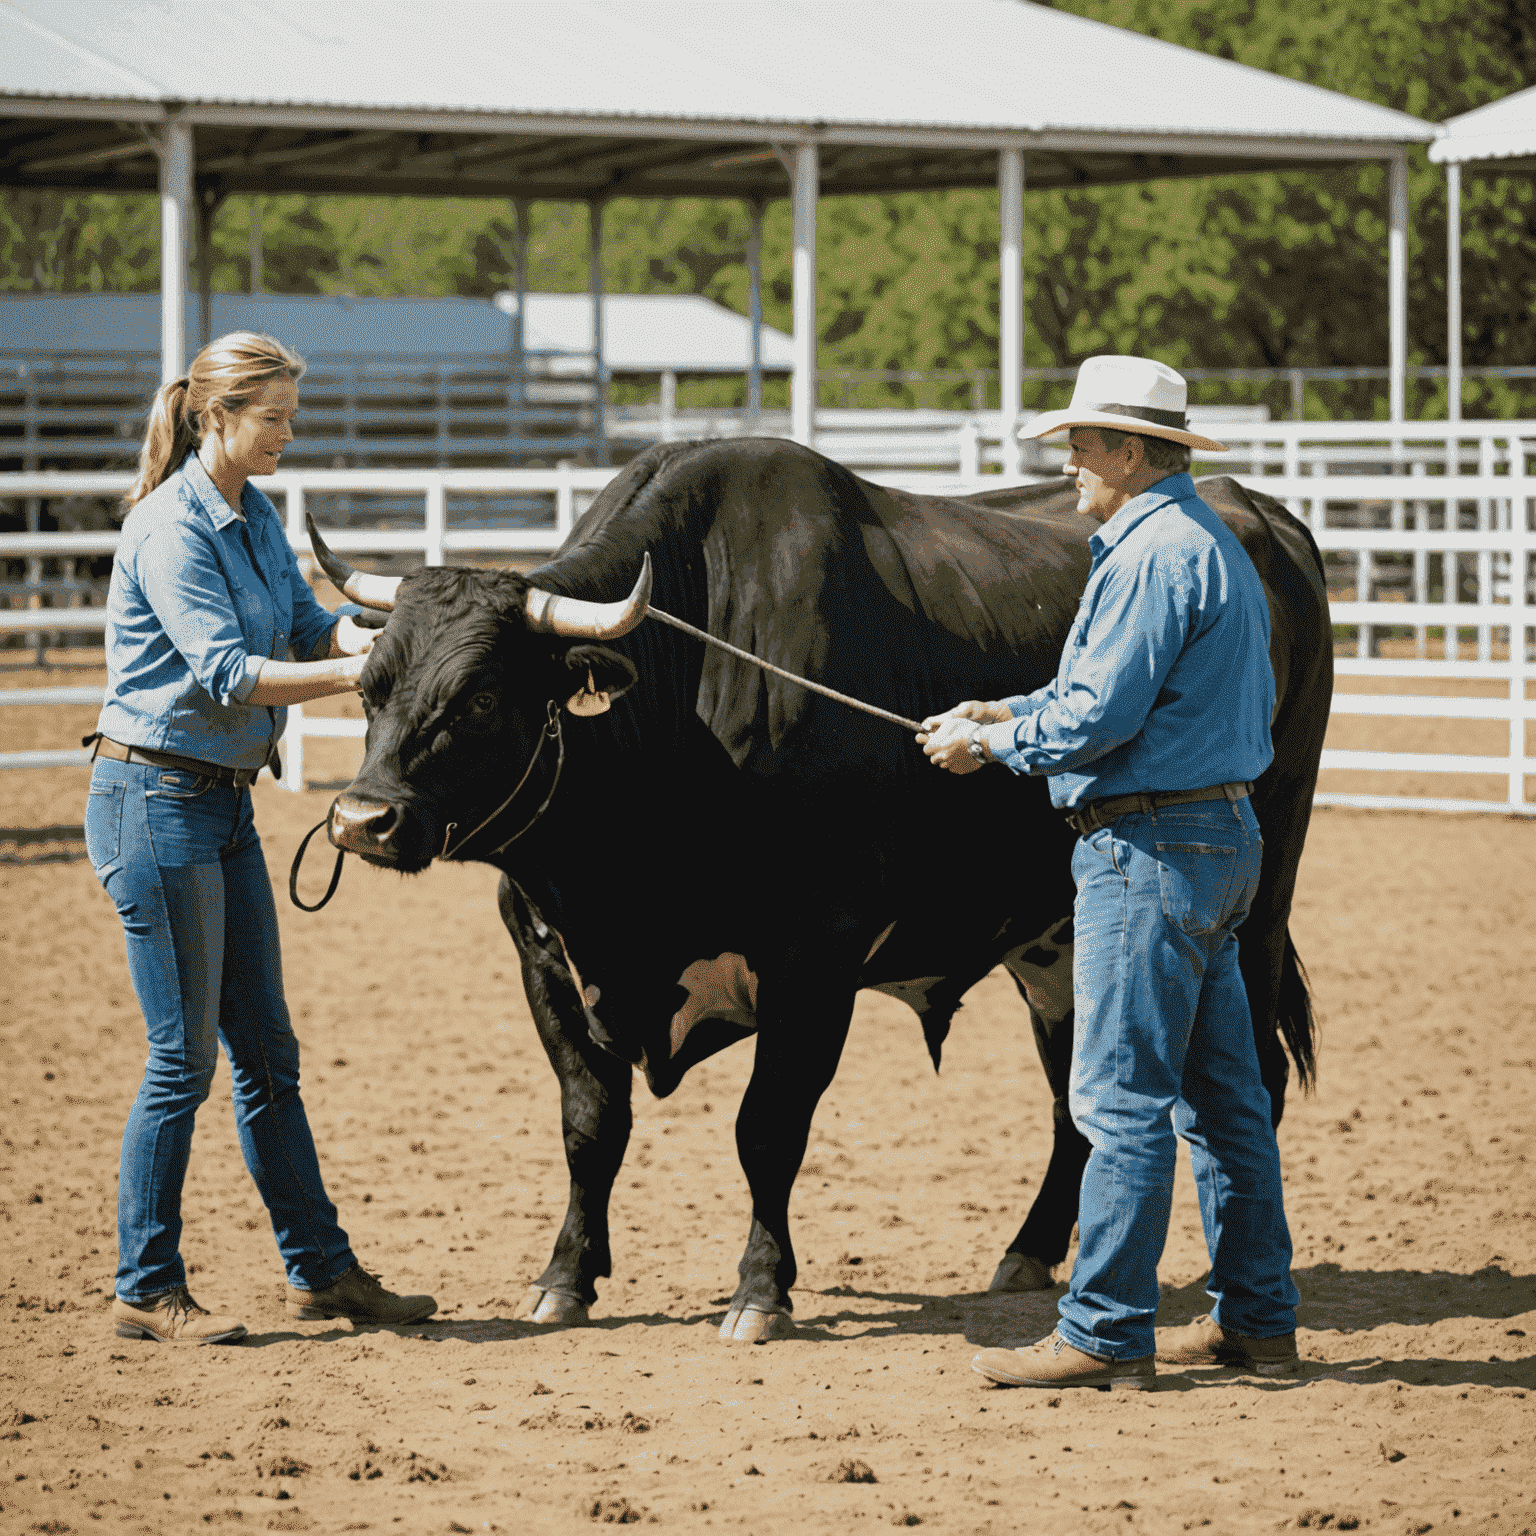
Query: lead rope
[[794, 677], [298, 859], [552, 731]]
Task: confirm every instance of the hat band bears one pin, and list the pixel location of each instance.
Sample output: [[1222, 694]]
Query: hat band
[[1146, 413]]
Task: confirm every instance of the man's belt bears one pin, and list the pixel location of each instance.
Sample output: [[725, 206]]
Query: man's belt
[[240, 778], [1099, 813]]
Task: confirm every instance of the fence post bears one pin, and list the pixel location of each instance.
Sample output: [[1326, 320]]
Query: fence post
[[298, 535], [1519, 603], [1420, 516], [565, 500], [1485, 522], [437, 519], [293, 740], [970, 451]]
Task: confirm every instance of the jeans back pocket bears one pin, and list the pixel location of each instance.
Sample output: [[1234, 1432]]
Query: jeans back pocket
[[1197, 882]]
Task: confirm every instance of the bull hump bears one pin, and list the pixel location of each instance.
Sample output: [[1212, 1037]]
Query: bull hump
[[722, 988]]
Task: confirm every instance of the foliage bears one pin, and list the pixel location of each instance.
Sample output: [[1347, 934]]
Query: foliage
[[1239, 271]]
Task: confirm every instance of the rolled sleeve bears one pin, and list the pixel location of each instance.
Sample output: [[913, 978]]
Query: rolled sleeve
[[247, 685], [182, 581]]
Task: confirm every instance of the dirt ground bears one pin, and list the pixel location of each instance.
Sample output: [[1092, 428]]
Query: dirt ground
[[1409, 1186]]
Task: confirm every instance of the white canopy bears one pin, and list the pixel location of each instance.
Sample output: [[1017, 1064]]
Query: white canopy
[[1498, 138], [595, 99], [1503, 131]]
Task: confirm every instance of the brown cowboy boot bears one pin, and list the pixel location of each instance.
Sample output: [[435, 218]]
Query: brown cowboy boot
[[359, 1296], [173, 1317], [1055, 1363], [1206, 1342]]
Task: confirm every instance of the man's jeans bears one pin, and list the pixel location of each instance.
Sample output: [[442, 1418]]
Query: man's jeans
[[1163, 1043], [180, 858]]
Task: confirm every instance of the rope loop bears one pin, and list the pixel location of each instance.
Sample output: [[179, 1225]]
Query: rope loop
[[298, 859]]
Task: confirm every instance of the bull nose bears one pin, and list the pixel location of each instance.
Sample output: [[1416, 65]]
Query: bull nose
[[364, 826]]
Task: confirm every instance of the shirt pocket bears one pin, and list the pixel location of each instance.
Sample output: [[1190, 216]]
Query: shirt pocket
[[104, 826], [1197, 883]]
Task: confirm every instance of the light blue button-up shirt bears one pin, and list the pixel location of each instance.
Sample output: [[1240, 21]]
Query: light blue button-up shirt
[[199, 601], [1164, 682]]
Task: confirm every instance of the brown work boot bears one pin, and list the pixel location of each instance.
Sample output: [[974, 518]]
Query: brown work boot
[[1055, 1363], [173, 1317], [1206, 1342], [358, 1295]]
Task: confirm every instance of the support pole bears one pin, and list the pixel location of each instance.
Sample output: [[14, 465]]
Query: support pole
[[1453, 291], [208, 202], [174, 151], [256, 273], [522, 212], [517, 382], [806, 178], [600, 402], [1010, 323], [1397, 284], [755, 310]]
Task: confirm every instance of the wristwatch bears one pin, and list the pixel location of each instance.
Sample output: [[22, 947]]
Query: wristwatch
[[977, 747]]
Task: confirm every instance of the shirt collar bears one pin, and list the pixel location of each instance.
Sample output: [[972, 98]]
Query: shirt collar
[[1179, 487], [211, 499]]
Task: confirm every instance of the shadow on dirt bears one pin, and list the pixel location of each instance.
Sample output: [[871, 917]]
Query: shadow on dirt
[[1334, 1300], [1347, 1299]]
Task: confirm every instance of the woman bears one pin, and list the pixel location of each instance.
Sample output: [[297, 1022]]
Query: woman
[[205, 603]]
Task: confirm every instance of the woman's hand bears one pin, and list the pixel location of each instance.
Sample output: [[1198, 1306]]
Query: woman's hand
[[351, 639], [350, 669]]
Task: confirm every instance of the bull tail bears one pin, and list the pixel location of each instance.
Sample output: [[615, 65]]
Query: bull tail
[[1294, 1017]]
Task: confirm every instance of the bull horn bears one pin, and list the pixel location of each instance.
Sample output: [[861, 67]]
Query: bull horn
[[360, 586], [574, 617]]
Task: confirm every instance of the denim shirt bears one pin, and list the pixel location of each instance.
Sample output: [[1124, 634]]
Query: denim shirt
[[199, 601], [1164, 682]]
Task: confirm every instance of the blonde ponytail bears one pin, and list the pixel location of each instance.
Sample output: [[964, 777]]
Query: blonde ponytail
[[229, 372], [167, 438]]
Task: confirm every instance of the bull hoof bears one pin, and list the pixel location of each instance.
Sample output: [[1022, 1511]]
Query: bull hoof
[[555, 1309], [752, 1325], [1020, 1272]]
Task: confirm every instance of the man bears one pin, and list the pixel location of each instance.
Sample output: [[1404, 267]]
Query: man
[[1152, 732]]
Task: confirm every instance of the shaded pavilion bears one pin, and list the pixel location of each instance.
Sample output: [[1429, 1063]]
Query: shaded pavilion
[[589, 100], [1500, 139]]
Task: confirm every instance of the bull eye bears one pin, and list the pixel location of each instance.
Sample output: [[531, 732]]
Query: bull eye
[[482, 704]]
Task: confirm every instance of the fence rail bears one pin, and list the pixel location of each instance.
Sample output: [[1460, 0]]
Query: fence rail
[[1426, 531]]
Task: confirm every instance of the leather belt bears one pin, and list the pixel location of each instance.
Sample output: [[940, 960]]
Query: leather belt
[[240, 778], [1099, 813]]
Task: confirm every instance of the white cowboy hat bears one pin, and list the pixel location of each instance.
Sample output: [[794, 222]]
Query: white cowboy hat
[[1130, 394]]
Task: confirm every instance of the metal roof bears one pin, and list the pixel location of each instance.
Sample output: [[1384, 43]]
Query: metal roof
[[1503, 130], [590, 98], [643, 333]]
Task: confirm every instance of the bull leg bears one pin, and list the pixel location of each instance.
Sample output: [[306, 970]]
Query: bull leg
[[1042, 1241], [594, 1111], [799, 1044]]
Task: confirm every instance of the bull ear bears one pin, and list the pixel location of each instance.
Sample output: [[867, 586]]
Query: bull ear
[[610, 672]]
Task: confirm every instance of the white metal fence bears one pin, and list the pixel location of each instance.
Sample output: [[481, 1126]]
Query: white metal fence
[[1426, 530]]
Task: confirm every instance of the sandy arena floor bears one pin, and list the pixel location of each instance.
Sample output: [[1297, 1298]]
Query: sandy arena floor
[[1409, 1180]]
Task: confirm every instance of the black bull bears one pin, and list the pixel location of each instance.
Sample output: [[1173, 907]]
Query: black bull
[[728, 854]]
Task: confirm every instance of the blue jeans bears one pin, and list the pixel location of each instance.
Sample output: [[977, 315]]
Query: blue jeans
[[1163, 1045], [180, 858]]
